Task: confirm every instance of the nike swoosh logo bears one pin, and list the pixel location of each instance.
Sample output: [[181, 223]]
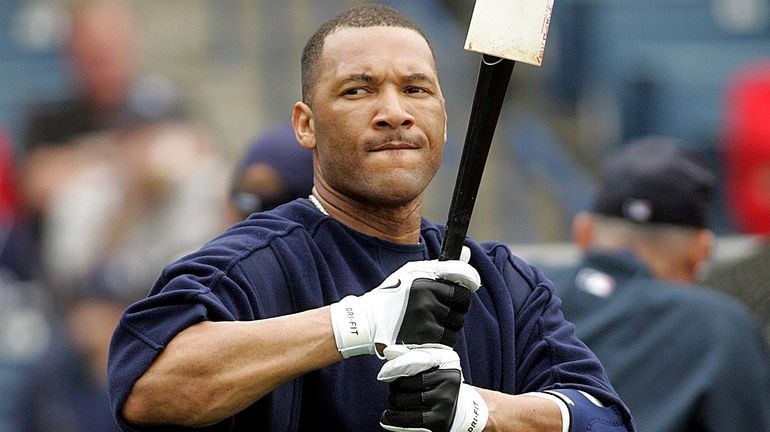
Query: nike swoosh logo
[[398, 284]]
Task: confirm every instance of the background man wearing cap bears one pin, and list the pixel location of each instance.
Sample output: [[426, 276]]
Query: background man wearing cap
[[274, 170], [683, 357]]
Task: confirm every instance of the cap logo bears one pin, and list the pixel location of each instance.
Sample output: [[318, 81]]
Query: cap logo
[[637, 210]]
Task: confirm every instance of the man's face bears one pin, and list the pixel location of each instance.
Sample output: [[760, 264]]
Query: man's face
[[104, 54], [378, 115]]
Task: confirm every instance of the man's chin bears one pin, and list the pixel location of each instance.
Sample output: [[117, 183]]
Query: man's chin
[[395, 196]]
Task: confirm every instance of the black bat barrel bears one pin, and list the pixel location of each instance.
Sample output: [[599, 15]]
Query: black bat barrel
[[494, 75]]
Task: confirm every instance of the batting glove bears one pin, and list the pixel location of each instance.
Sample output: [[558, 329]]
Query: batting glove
[[422, 302], [427, 393]]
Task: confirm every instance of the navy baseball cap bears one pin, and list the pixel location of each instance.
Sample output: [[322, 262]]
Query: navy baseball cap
[[656, 180], [278, 148]]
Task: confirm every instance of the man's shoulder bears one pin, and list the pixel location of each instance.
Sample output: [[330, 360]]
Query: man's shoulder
[[500, 264], [262, 228], [712, 311], [712, 302], [493, 250], [267, 238]]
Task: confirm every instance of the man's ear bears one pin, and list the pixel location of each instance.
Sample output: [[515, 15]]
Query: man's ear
[[583, 230], [304, 128], [700, 250]]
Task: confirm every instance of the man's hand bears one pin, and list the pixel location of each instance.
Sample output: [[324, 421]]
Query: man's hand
[[422, 302], [427, 393]]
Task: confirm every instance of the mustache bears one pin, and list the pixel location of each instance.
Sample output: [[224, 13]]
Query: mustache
[[394, 137]]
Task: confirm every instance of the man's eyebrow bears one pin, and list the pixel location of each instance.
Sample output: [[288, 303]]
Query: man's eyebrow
[[417, 77], [368, 78], [358, 77]]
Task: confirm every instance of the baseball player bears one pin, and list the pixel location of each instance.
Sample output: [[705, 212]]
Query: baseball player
[[331, 312]]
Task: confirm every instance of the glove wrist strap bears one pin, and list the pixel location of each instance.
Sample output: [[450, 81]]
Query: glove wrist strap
[[475, 412], [351, 328]]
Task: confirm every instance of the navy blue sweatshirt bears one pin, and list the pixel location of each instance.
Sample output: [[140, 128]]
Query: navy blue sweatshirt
[[293, 259]]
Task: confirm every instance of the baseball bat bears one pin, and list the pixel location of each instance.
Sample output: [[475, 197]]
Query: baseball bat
[[493, 79]]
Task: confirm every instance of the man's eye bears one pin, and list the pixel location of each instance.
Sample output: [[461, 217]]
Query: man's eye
[[416, 90], [355, 91]]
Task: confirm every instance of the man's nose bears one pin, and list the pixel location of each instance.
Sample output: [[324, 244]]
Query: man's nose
[[392, 110]]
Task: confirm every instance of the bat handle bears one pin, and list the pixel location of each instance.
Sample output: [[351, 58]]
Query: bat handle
[[494, 75]]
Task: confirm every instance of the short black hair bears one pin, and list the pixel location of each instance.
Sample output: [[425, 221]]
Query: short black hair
[[368, 15]]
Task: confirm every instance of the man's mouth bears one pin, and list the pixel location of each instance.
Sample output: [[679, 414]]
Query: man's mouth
[[395, 145]]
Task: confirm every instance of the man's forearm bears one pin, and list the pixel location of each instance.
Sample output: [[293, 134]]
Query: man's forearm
[[555, 410], [213, 370], [520, 412]]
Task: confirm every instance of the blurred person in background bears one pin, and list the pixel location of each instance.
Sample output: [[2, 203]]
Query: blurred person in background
[[275, 169], [13, 260], [117, 166], [65, 386], [24, 327], [114, 184], [682, 356], [746, 159], [746, 148], [111, 92], [9, 201]]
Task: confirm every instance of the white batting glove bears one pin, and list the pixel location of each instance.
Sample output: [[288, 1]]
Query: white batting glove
[[422, 302], [427, 393]]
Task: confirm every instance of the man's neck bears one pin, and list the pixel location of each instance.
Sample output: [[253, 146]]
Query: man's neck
[[399, 224]]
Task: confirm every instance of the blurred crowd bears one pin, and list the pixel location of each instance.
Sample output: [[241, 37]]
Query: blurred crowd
[[104, 185]]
